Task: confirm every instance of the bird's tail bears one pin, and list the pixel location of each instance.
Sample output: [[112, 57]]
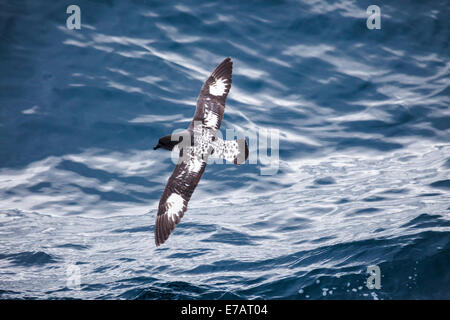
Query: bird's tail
[[242, 154], [235, 151]]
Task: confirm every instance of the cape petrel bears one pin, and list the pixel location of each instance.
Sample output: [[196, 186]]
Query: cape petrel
[[194, 154]]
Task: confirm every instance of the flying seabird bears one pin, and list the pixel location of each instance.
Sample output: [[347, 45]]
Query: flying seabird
[[194, 153]]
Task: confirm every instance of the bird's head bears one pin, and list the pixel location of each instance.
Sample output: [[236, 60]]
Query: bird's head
[[167, 143]]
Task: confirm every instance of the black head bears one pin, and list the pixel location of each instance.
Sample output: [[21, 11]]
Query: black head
[[167, 143]]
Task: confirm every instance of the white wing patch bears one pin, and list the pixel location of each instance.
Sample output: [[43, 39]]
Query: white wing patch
[[211, 119], [219, 87], [175, 204], [194, 164]]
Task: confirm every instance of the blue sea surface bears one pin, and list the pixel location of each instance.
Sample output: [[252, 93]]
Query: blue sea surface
[[364, 152]]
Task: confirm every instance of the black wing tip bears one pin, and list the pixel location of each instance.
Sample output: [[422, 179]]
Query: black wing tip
[[227, 60], [224, 69], [158, 243], [163, 229]]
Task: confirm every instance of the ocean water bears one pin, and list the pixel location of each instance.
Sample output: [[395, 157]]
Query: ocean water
[[364, 144]]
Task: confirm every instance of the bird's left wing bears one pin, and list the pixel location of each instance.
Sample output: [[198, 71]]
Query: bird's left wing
[[176, 195]]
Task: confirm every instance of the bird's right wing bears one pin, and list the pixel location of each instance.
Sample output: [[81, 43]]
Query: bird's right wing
[[176, 195], [211, 100]]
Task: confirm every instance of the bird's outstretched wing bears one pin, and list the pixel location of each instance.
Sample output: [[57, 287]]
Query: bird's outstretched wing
[[176, 195], [211, 100]]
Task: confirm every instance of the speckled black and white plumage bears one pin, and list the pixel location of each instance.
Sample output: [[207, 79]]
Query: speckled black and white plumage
[[203, 128], [235, 151]]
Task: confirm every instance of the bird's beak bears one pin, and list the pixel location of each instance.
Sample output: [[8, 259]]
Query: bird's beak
[[157, 146]]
